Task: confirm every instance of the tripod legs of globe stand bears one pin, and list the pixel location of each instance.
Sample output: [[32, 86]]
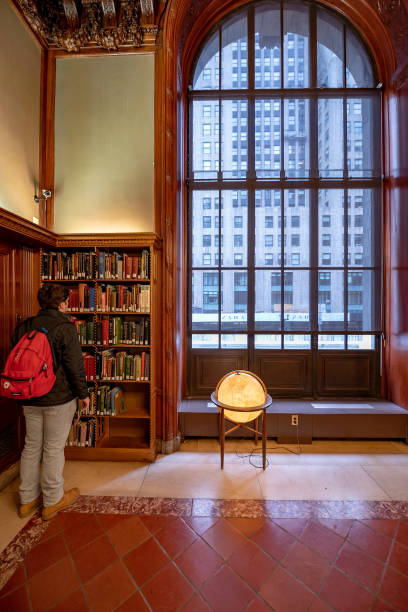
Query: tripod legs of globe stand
[[264, 440], [222, 435]]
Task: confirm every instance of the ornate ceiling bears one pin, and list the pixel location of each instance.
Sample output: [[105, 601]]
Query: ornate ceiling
[[74, 25]]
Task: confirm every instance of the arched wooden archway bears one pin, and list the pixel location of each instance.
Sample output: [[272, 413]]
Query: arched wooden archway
[[185, 25]]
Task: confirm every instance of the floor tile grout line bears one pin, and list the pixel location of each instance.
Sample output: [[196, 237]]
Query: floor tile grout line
[[377, 483], [143, 480], [170, 560], [363, 551], [387, 562], [278, 562], [323, 526]]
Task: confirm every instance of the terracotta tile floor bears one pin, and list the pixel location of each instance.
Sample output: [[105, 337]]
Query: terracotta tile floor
[[131, 562]]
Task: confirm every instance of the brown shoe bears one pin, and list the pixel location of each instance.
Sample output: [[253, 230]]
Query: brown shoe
[[27, 509], [66, 500]]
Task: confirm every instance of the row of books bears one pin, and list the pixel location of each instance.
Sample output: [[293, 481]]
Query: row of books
[[104, 298], [103, 401], [123, 265], [110, 401], [82, 432], [82, 264], [110, 365], [113, 330], [67, 266]]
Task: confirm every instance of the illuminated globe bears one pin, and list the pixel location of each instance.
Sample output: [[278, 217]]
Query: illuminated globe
[[241, 390]]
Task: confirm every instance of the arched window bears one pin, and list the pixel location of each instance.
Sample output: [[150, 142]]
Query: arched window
[[285, 203]]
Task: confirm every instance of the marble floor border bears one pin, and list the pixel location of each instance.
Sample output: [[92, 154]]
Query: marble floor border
[[32, 532]]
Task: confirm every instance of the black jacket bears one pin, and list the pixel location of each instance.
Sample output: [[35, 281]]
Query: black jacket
[[68, 361]]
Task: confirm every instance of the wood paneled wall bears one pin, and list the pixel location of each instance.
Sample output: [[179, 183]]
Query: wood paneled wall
[[396, 248], [19, 283]]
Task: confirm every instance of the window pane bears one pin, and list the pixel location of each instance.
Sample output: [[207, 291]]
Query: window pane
[[234, 37], [297, 213], [205, 218], [362, 137], [296, 46], [296, 300], [234, 306], [206, 75], [267, 46], [331, 342], [359, 72], [205, 138], [204, 299], [234, 138], [331, 230], [362, 343], [266, 227], [330, 137], [235, 228], [267, 138], [331, 300], [362, 311], [267, 300], [200, 341], [234, 341], [330, 52], [296, 341], [268, 341], [360, 230], [296, 141]]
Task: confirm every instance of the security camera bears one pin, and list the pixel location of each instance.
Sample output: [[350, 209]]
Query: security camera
[[46, 193]]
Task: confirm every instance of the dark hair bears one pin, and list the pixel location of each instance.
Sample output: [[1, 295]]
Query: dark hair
[[51, 296]]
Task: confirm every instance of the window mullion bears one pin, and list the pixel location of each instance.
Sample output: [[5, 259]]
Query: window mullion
[[251, 190]]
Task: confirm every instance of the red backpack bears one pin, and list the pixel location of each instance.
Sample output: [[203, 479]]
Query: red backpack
[[29, 370]]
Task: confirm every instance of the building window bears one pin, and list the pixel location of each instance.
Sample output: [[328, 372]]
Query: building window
[[206, 222], [238, 259], [268, 240], [238, 240], [206, 240], [238, 221], [268, 259]]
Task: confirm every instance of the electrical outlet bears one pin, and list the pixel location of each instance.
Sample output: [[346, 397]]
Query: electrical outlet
[[295, 420]]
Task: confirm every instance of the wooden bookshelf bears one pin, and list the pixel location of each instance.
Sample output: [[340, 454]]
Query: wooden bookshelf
[[131, 434]]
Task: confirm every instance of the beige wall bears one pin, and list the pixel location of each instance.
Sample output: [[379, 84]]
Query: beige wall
[[20, 72], [104, 143]]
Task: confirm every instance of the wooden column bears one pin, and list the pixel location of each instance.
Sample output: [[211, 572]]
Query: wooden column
[[47, 142]]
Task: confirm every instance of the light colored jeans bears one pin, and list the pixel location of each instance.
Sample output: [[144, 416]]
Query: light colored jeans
[[47, 429]]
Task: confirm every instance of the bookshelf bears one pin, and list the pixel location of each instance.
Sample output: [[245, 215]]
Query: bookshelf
[[114, 304]]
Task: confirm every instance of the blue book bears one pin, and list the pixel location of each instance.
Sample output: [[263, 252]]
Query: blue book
[[101, 264]]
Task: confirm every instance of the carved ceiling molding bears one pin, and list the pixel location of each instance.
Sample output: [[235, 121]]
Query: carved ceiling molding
[[394, 15], [74, 25]]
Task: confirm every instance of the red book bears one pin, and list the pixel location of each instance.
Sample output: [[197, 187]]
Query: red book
[[128, 266], [142, 367], [105, 331], [135, 262], [120, 297]]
